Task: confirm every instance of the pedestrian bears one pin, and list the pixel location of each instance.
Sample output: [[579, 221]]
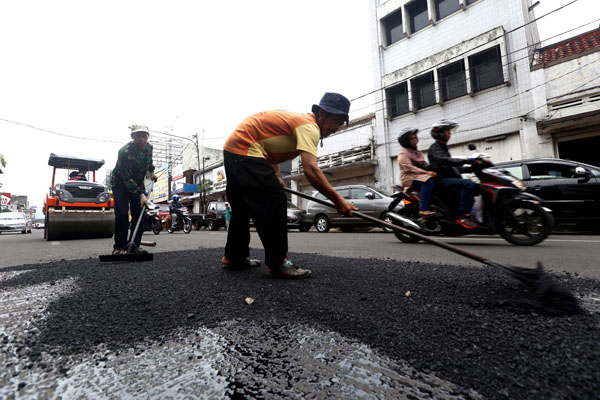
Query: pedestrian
[[449, 178], [252, 154], [227, 215], [127, 180], [414, 171]]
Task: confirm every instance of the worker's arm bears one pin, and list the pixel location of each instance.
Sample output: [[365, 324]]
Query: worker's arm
[[317, 178], [278, 173]]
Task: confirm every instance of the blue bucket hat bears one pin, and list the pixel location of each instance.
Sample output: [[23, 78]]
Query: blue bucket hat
[[333, 103]]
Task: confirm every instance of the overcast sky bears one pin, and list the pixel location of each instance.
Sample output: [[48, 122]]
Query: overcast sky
[[91, 69]]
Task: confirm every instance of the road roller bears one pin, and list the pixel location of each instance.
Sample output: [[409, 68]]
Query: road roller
[[77, 207]]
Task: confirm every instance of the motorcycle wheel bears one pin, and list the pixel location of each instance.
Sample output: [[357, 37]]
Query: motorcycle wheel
[[530, 226], [387, 219], [405, 238], [156, 227], [187, 226]]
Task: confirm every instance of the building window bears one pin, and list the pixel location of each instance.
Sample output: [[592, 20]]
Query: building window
[[393, 27], [443, 8], [397, 97], [423, 91], [453, 81], [486, 69], [417, 14]]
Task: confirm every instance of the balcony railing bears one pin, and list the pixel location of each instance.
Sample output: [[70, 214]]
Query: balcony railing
[[338, 159]]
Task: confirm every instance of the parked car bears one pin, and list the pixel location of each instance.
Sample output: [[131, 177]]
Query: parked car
[[569, 188], [296, 218], [15, 221], [369, 200], [39, 223]]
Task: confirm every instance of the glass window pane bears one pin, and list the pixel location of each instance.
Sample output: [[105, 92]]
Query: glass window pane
[[469, 2], [359, 193], [551, 171], [393, 27], [423, 91], [417, 13], [398, 99], [516, 171], [345, 193], [486, 69], [443, 8], [453, 80]]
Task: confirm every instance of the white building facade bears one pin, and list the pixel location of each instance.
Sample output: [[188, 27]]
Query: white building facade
[[464, 60]]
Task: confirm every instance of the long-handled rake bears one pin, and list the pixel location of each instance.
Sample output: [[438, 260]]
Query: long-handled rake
[[546, 290]]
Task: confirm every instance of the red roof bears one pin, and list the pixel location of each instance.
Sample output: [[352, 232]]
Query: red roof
[[584, 43]]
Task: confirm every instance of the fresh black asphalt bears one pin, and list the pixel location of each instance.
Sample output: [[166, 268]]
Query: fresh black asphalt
[[475, 327]]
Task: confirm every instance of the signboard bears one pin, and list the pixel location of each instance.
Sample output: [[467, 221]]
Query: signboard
[[5, 199], [219, 179], [160, 192]]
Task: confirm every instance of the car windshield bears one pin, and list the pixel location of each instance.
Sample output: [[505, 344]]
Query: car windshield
[[11, 215]]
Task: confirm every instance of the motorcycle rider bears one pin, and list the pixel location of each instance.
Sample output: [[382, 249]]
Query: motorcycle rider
[[447, 168], [414, 171], [175, 209]]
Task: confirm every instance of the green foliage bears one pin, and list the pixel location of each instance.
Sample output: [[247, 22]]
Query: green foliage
[[3, 160]]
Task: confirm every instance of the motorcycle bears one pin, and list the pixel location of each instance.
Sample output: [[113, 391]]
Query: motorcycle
[[502, 207], [151, 222], [184, 222]]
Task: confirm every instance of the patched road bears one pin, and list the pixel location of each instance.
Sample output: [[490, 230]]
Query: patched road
[[181, 327]]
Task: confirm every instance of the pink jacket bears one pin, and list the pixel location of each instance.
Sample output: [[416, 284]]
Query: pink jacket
[[409, 161]]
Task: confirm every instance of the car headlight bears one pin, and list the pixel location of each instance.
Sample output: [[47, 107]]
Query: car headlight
[[65, 196], [103, 197]]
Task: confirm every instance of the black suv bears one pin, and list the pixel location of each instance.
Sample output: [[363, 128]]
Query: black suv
[[569, 188]]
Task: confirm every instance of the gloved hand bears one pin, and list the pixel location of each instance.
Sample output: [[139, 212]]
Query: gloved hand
[[144, 201]]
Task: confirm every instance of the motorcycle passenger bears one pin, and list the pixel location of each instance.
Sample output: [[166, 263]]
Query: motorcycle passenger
[[414, 171], [175, 209], [447, 168]]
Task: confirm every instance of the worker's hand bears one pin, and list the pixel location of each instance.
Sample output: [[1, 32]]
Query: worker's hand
[[433, 174], [344, 207], [281, 181], [153, 177], [144, 201]]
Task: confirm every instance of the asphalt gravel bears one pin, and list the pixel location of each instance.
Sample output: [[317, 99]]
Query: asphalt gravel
[[476, 328]]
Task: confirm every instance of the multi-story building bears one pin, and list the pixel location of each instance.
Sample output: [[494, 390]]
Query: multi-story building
[[469, 61], [568, 103]]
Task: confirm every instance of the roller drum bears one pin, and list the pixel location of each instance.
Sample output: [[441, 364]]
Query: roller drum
[[79, 225]]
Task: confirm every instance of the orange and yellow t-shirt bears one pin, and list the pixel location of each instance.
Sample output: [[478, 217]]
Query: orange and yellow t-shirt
[[277, 136]]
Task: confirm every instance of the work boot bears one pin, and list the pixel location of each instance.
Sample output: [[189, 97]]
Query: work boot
[[288, 270], [119, 251], [137, 250], [246, 263]]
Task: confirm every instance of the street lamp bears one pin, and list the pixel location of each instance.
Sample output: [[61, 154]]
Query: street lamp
[[203, 195]]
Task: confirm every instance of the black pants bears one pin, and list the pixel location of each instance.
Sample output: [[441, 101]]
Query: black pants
[[123, 201], [253, 191]]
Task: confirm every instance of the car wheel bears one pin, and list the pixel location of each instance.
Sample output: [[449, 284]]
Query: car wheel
[[322, 224], [212, 226]]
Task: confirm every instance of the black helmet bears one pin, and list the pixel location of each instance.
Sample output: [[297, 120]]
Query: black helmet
[[404, 137], [439, 128]]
